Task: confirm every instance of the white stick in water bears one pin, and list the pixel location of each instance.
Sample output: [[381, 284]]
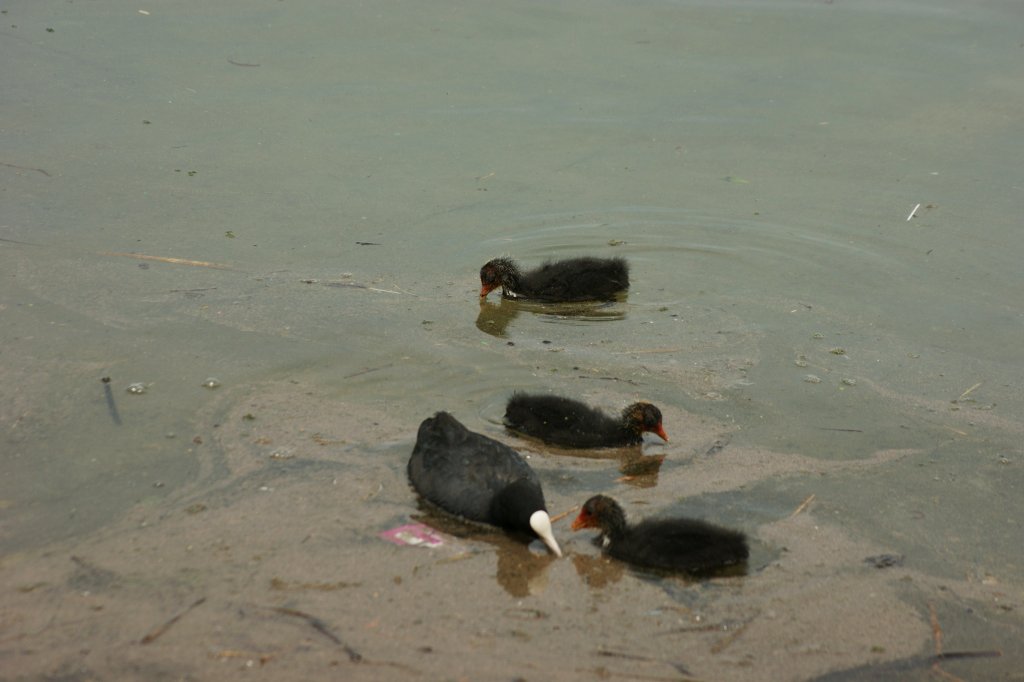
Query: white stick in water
[[913, 212]]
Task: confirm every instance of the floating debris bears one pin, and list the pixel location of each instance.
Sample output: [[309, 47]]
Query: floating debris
[[885, 560], [211, 382], [848, 382], [137, 388], [716, 447], [413, 534], [812, 379], [838, 351]]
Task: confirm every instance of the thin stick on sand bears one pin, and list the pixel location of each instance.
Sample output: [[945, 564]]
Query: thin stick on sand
[[168, 259], [936, 629], [322, 628], [156, 632], [25, 168], [969, 391], [941, 655], [937, 638], [803, 506], [559, 517], [111, 405]]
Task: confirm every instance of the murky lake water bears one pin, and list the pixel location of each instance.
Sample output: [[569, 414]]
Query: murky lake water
[[296, 199]]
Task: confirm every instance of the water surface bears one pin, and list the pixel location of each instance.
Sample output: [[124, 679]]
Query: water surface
[[296, 200]]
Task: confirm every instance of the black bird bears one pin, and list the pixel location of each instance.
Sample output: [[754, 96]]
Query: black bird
[[674, 544], [568, 422], [478, 478], [575, 279]]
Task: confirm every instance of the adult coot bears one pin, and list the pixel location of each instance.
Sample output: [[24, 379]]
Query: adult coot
[[674, 544], [478, 478], [568, 422], [575, 279]]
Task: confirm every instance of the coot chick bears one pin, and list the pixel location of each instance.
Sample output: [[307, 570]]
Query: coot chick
[[575, 279], [478, 478], [568, 422], [674, 544]]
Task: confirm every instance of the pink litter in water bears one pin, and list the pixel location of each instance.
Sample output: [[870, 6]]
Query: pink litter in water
[[415, 534]]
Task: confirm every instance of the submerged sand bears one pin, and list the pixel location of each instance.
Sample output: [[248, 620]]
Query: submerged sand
[[270, 563]]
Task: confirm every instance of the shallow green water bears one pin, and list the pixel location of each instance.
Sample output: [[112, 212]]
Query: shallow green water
[[755, 162]]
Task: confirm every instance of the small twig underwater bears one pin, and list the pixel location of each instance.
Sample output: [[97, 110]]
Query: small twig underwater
[[153, 634], [559, 517], [168, 259], [320, 627], [25, 168], [803, 506], [111, 407], [941, 655], [367, 371], [936, 629], [969, 391]]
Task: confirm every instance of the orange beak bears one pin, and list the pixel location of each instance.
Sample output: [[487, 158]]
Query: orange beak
[[661, 432], [582, 521], [484, 290]]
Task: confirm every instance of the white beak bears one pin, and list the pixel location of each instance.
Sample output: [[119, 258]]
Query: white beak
[[540, 522]]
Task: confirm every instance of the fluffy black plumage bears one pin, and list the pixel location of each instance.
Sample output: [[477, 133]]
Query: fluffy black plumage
[[574, 279], [570, 423], [477, 478], [673, 544]]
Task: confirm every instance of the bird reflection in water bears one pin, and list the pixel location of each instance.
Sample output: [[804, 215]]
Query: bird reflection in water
[[520, 571], [639, 470], [598, 571], [635, 468], [494, 318]]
